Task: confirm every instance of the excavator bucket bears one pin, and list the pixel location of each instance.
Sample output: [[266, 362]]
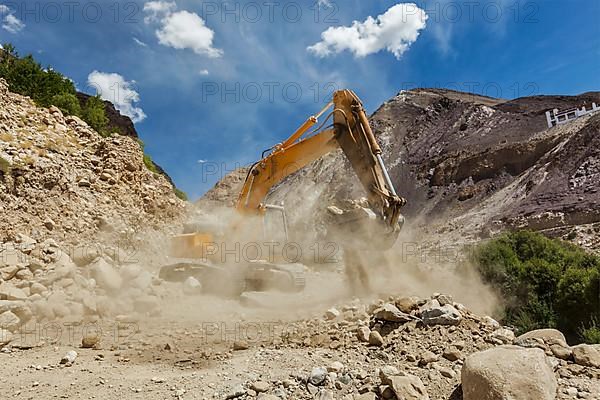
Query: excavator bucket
[[379, 224]]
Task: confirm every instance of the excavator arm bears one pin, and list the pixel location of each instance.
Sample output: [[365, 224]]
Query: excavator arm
[[351, 132]]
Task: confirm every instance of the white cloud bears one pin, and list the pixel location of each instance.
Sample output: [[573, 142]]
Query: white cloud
[[181, 29], [157, 10], [10, 22], [114, 88], [395, 31], [325, 3], [186, 30], [201, 161], [203, 72], [139, 42]]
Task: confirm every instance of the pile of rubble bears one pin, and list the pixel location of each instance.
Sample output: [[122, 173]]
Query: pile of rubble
[[60, 179], [421, 349], [39, 283]]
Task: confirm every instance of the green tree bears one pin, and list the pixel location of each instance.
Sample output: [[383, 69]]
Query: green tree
[[68, 103], [93, 113]]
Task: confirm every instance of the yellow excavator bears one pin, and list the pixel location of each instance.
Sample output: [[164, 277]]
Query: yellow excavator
[[239, 254]]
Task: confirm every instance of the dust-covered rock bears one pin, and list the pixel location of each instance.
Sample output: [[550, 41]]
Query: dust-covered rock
[[506, 373]]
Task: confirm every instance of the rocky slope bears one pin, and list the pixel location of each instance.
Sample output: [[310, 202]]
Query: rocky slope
[[83, 220], [61, 179], [473, 165]]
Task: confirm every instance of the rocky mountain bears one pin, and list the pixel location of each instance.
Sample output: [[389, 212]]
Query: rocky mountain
[[472, 165], [226, 190], [117, 122]]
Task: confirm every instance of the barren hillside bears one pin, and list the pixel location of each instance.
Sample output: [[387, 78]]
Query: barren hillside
[[473, 165]]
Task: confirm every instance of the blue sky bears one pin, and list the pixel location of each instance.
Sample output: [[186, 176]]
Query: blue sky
[[211, 84]]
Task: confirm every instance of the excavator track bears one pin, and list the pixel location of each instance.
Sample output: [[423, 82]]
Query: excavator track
[[233, 281]]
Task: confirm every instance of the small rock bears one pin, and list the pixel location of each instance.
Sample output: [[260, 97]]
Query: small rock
[[264, 396], [447, 372], [5, 337], [491, 322], [362, 333], [37, 288], [387, 372], [408, 387], [407, 304], [317, 376], [444, 299], [442, 315], [240, 345], [375, 339], [8, 291], [503, 336], [325, 394], [391, 313], [427, 357], [365, 396], [260, 386], [332, 313], [335, 366], [236, 390], [49, 224], [90, 340], [191, 286], [571, 391], [563, 353], [452, 354], [69, 358], [335, 210], [9, 321]]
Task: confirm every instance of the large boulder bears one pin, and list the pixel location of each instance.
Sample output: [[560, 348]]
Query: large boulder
[[508, 373], [541, 336]]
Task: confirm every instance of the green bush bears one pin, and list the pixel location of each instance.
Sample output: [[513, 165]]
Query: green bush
[[181, 194], [93, 114], [67, 103], [150, 164], [545, 282], [591, 333]]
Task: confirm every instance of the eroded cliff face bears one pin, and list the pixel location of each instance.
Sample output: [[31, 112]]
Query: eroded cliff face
[[472, 165]]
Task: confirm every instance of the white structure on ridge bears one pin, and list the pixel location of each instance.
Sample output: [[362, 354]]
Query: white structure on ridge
[[554, 117]]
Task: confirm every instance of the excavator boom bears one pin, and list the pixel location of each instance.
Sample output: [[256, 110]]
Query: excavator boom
[[352, 133]]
